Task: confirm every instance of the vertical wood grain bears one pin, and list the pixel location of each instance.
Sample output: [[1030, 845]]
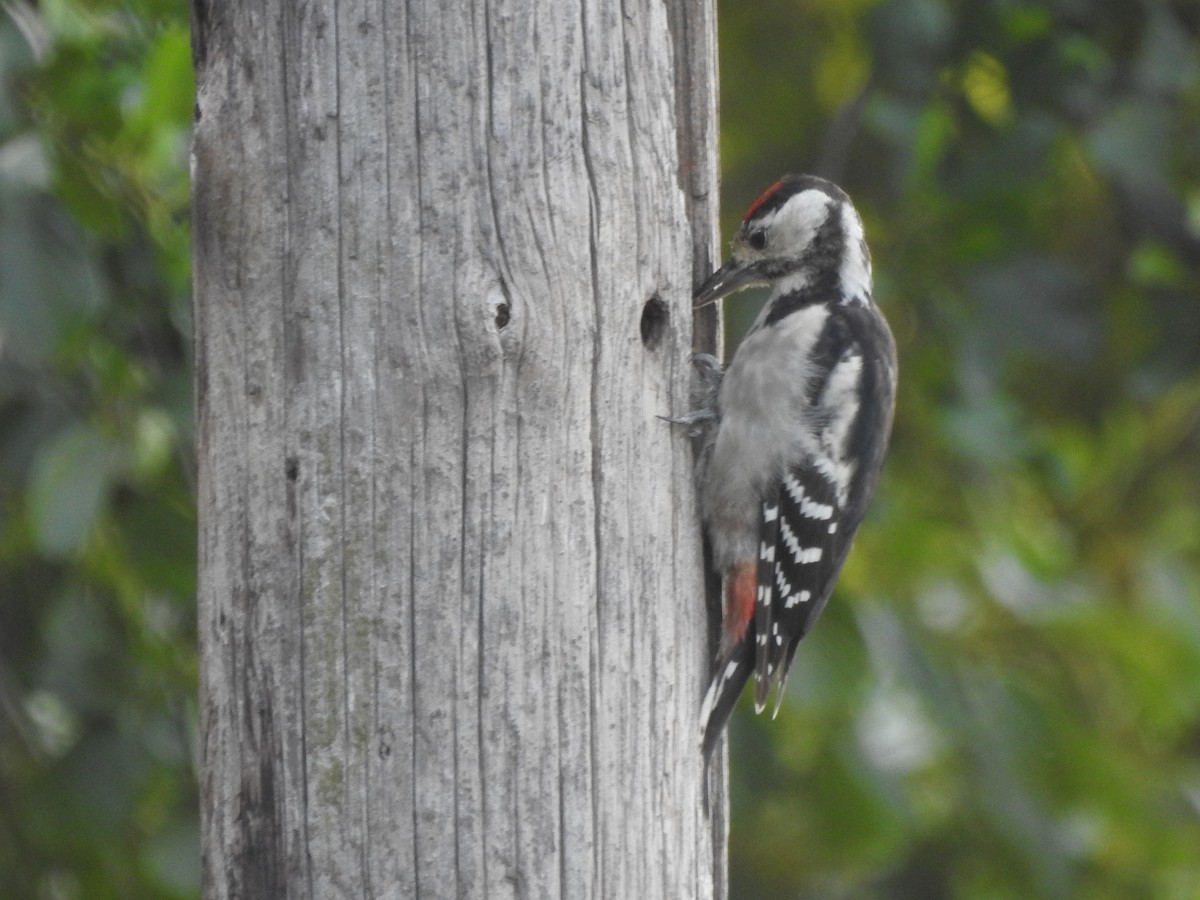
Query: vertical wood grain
[[451, 597]]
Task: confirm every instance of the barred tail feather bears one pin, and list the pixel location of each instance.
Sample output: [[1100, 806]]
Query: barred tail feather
[[731, 676]]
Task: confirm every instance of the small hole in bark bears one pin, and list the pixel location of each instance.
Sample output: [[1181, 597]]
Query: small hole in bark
[[654, 322], [291, 468], [502, 315]]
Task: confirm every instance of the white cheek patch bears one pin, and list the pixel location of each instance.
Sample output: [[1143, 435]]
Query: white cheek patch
[[797, 221]]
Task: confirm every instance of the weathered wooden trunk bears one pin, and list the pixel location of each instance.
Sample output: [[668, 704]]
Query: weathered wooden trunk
[[451, 592]]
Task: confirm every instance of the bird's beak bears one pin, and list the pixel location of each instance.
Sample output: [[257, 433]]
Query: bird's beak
[[733, 276]]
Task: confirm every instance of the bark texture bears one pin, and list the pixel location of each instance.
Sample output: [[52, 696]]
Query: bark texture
[[451, 590]]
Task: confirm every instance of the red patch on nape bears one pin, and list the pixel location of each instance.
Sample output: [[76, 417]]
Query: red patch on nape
[[766, 195], [741, 587]]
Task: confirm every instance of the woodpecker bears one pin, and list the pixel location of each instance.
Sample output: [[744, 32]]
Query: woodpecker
[[796, 435]]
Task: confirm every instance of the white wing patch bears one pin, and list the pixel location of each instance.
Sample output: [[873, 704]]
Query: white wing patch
[[840, 400]]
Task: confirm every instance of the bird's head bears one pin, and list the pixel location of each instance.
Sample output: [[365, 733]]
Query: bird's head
[[801, 231]]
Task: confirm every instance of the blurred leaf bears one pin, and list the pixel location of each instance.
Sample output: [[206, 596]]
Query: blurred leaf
[[97, 551], [168, 85], [48, 276], [1153, 265], [985, 85], [70, 481], [1025, 23]]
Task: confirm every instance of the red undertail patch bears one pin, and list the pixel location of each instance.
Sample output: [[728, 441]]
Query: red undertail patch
[[740, 590]]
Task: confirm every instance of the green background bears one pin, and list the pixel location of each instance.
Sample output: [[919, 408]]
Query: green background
[[1003, 700]]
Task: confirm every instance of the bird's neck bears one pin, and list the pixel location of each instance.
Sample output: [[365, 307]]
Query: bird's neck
[[854, 268]]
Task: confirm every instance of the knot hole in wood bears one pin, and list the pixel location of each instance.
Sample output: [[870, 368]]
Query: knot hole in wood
[[654, 322]]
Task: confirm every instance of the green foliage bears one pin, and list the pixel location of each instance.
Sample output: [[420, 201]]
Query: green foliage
[[1001, 701], [97, 559]]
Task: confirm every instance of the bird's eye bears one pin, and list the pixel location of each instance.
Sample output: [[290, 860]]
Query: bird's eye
[[757, 239]]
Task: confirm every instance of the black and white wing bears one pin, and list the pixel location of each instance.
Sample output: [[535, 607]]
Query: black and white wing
[[810, 518]]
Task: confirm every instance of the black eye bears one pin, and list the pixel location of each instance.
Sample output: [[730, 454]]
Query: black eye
[[757, 239]]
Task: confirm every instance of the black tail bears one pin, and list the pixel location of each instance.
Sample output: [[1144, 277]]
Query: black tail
[[731, 674]]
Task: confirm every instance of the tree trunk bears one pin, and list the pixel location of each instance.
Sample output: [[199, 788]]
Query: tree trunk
[[451, 602]]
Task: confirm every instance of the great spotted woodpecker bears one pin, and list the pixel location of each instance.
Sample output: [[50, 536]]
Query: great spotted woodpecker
[[795, 438]]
